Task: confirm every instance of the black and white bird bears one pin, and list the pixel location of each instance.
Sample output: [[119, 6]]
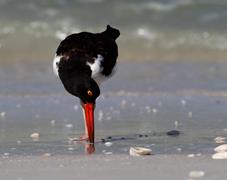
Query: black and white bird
[[82, 61]]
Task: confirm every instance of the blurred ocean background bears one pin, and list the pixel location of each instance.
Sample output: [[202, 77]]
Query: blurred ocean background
[[151, 30]]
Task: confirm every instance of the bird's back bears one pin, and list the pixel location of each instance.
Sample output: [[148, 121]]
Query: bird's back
[[97, 50]]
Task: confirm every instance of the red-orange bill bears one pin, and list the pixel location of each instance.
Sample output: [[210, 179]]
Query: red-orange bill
[[89, 116]]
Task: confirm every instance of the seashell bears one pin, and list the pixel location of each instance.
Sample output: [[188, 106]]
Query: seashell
[[221, 148], [46, 155], [34, 135], [139, 151], [191, 155], [220, 155], [220, 139], [108, 144], [69, 126], [196, 174]]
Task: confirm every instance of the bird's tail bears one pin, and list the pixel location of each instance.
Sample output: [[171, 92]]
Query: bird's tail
[[111, 32]]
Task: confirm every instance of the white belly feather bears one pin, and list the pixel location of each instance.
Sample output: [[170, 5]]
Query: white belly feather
[[96, 69], [55, 64]]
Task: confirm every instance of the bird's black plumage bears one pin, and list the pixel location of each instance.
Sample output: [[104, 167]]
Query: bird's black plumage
[[85, 46], [77, 51]]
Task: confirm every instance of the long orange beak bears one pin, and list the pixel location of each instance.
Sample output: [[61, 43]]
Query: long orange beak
[[89, 117]]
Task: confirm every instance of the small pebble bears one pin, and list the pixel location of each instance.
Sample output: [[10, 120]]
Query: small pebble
[[176, 124], [71, 149], [139, 151], [140, 135], [6, 154], [173, 133], [183, 102], [221, 148], [18, 142], [196, 174], [52, 122], [108, 144], [179, 149], [154, 111], [148, 109], [123, 103], [220, 155]]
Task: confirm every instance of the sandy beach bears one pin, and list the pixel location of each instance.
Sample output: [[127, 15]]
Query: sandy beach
[[102, 167]]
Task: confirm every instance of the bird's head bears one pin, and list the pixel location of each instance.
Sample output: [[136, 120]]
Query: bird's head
[[88, 93], [87, 90], [111, 32]]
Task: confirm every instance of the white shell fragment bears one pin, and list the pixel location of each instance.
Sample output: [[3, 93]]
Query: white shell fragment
[[196, 174], [220, 139], [46, 155], [108, 153], [108, 144], [71, 149], [139, 151], [191, 155], [69, 126], [220, 155], [35, 136], [221, 148]]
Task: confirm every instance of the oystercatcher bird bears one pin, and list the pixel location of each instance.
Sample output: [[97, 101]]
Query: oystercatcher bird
[[83, 60]]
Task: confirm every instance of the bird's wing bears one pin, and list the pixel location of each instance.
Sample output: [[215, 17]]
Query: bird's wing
[[98, 51]]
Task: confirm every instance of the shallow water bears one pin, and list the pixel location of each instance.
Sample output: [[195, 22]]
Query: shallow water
[[146, 99], [150, 29]]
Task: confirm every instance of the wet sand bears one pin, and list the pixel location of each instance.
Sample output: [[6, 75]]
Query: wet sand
[[111, 167], [154, 99]]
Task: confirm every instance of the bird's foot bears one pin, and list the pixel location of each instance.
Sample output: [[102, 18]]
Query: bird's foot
[[80, 139], [83, 138]]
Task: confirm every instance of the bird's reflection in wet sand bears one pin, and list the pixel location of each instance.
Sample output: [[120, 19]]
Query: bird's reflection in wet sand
[[89, 148]]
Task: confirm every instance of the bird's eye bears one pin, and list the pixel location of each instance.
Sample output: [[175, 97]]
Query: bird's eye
[[57, 64], [89, 93]]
